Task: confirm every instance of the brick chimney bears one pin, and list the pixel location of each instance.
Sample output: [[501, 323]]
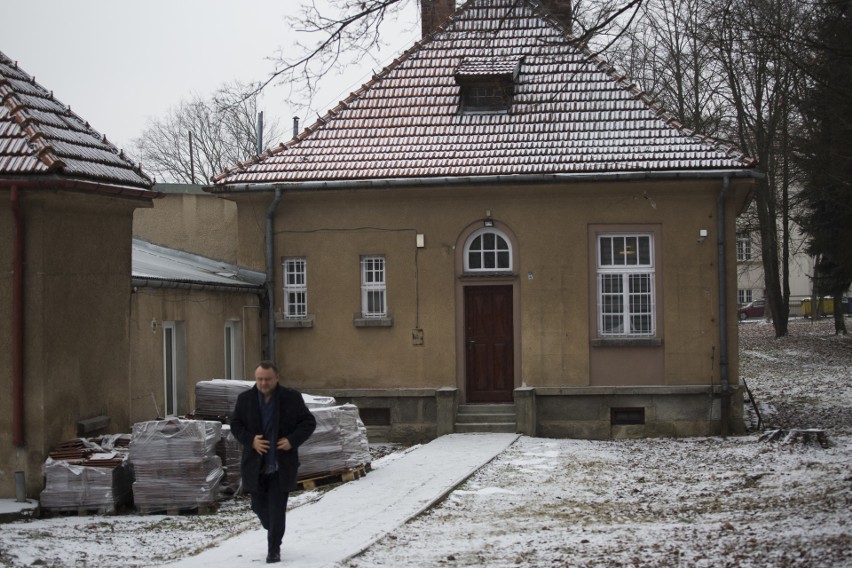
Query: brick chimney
[[433, 14], [561, 9]]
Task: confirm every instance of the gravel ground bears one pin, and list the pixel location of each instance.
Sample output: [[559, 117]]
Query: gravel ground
[[552, 503]]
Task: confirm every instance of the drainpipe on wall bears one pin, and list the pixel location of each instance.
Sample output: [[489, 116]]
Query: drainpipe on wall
[[270, 276], [17, 320], [723, 306]]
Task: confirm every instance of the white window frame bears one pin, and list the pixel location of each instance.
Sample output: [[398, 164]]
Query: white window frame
[[744, 246], [744, 296], [498, 256], [626, 288], [174, 382], [374, 287], [295, 271], [233, 350]]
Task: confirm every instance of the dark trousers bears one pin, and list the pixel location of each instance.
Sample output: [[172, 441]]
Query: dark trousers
[[269, 503]]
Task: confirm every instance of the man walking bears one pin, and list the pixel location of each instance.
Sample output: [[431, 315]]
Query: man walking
[[271, 422]]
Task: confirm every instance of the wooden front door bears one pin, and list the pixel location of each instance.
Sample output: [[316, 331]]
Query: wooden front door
[[489, 344]]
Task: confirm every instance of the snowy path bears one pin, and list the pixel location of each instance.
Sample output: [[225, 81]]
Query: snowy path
[[354, 515]]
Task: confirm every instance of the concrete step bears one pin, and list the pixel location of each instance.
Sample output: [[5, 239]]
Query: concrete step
[[486, 418], [506, 428], [486, 409]]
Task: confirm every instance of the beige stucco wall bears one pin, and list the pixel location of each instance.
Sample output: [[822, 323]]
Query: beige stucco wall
[[190, 220], [332, 228], [77, 289], [203, 315]]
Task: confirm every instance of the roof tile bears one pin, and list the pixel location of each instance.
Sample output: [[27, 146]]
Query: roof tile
[[572, 112]]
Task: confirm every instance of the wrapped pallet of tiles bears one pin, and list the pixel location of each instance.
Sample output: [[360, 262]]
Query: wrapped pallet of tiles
[[230, 452], [83, 476], [215, 399], [175, 464], [338, 444]]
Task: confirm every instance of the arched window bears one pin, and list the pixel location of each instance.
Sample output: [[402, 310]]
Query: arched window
[[487, 250]]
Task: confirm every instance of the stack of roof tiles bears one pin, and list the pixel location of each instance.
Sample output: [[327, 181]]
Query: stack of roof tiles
[[175, 464], [216, 398], [338, 444], [42, 138], [87, 474], [572, 114]]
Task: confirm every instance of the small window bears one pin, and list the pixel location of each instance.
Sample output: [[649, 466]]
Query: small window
[[487, 84], [743, 247], [486, 98], [373, 287], [487, 250], [233, 350], [744, 296], [295, 288], [626, 289]]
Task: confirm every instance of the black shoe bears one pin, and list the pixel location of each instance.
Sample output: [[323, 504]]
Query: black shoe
[[273, 557]]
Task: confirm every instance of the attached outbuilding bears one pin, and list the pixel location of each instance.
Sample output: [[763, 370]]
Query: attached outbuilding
[[67, 197]]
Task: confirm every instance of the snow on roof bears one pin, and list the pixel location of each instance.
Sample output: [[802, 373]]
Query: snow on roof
[[154, 262], [571, 113], [41, 136]]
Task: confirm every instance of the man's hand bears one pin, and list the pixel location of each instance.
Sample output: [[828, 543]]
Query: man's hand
[[260, 445], [284, 444]]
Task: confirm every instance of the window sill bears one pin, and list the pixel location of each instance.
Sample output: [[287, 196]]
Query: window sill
[[627, 342], [284, 323], [359, 321]]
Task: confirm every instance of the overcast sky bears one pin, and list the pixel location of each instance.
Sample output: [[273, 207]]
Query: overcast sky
[[119, 63]]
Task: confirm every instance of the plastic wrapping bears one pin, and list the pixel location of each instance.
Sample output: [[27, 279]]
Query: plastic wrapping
[[71, 487], [175, 463], [216, 398], [230, 452], [338, 444]]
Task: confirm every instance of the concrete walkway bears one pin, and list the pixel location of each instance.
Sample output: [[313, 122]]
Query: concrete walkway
[[352, 516]]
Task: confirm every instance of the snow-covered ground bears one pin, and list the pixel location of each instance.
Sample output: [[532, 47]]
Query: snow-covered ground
[[544, 502]]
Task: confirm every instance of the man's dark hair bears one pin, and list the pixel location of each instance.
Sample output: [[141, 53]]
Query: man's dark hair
[[266, 364]]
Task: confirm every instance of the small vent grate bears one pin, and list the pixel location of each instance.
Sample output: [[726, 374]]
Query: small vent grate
[[375, 416], [626, 416]]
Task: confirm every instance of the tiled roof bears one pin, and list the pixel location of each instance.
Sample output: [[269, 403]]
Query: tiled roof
[[572, 113], [40, 136]]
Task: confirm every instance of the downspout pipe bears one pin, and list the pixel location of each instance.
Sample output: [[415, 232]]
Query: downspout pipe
[[723, 306], [18, 437], [270, 275]]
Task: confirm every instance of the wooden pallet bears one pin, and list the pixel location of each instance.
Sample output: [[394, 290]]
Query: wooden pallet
[[328, 478], [208, 509], [78, 512]]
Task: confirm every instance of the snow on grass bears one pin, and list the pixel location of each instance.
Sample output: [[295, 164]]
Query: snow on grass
[[698, 502]]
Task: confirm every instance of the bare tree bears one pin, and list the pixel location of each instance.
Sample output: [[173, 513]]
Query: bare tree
[[201, 137], [350, 31]]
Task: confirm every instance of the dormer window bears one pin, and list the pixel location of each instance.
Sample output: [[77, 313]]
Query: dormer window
[[487, 84]]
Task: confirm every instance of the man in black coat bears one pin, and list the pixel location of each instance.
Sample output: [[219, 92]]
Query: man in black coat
[[271, 422]]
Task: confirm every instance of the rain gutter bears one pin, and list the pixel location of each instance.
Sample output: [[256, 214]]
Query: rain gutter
[[160, 283], [482, 180], [55, 182], [723, 305], [17, 320]]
